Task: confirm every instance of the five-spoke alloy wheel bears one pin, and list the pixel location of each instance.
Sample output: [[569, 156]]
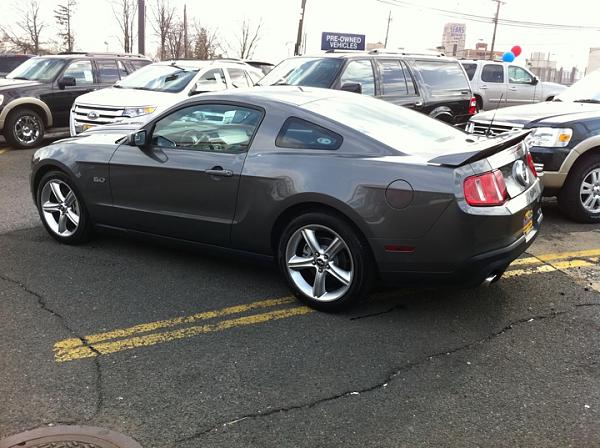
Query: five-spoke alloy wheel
[[62, 212], [324, 261]]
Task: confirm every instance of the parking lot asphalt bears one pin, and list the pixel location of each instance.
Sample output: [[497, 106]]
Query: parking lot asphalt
[[184, 349]]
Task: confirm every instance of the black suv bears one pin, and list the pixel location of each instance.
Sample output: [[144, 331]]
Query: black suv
[[38, 94], [431, 84]]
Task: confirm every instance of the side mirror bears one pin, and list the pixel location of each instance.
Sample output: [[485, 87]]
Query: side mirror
[[354, 87], [67, 81], [137, 138], [535, 81], [205, 87]]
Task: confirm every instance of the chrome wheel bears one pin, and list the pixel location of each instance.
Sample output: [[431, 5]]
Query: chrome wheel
[[27, 129], [60, 208], [589, 191], [319, 263]]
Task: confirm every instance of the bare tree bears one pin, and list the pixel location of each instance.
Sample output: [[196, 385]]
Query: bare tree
[[27, 38], [248, 39], [64, 16], [205, 43], [163, 20], [125, 13], [176, 40]]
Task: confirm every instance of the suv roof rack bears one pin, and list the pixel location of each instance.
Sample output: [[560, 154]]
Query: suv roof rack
[[333, 50], [95, 53], [408, 52]]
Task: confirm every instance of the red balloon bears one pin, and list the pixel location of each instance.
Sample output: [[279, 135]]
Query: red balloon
[[516, 50]]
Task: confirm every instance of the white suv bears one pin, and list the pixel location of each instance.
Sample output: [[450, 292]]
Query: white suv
[[156, 87], [500, 84]]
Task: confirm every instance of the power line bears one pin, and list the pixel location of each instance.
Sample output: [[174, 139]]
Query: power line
[[486, 19]]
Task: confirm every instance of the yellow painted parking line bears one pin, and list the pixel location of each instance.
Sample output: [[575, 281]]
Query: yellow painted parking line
[[557, 266], [556, 256], [166, 336]]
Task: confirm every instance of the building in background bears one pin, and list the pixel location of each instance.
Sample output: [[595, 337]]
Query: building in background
[[593, 60], [543, 66], [481, 52], [374, 46], [453, 39]]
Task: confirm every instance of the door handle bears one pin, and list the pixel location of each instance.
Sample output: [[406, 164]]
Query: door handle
[[219, 171], [514, 89], [484, 87], [415, 104]]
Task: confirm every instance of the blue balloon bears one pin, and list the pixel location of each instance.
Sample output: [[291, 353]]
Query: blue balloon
[[509, 56]]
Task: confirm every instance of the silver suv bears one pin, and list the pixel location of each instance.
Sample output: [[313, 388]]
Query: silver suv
[[500, 84]]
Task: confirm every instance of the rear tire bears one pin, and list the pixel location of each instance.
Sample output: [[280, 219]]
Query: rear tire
[[24, 129], [579, 198], [62, 210], [325, 261]]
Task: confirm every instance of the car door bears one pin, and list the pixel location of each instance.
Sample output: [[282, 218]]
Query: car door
[[397, 85], [359, 71], [493, 86], [521, 86], [184, 182], [61, 98]]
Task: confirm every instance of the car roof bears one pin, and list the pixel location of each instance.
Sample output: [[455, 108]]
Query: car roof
[[94, 55], [202, 63], [382, 55]]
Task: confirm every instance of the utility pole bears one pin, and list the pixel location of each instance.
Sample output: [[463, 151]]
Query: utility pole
[[298, 45], [185, 33], [387, 32], [141, 27], [499, 2]]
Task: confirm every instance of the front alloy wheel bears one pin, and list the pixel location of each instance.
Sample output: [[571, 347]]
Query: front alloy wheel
[[589, 192]]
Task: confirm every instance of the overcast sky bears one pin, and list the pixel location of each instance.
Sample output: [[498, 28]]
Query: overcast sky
[[411, 27]]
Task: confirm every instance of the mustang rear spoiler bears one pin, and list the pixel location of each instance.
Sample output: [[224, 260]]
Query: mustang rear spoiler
[[480, 150]]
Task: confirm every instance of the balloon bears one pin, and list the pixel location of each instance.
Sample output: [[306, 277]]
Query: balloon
[[509, 56], [516, 50]]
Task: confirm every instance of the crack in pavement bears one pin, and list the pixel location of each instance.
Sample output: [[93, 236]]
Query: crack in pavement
[[41, 300], [379, 313], [390, 377]]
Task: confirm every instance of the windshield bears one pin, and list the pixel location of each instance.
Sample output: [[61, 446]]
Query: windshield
[[587, 88], [308, 72], [397, 127], [38, 69], [159, 78]]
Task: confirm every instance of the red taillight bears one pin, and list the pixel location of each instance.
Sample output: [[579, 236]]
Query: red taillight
[[473, 106], [531, 164], [485, 190]]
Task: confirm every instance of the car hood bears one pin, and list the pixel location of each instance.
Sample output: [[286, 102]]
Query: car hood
[[7, 84], [119, 97], [529, 113]]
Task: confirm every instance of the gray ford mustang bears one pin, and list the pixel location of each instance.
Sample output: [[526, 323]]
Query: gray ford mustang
[[339, 188]]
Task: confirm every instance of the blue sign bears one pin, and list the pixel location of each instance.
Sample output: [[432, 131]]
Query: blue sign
[[342, 41]]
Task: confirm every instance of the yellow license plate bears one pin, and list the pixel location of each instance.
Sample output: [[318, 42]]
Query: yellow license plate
[[527, 222]]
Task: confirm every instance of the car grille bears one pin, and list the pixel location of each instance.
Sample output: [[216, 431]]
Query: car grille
[[481, 128], [89, 115]]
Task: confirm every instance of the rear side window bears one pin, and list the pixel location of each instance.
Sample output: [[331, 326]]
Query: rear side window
[[470, 69], [238, 77], [492, 73], [301, 134], [442, 76], [396, 79], [107, 70]]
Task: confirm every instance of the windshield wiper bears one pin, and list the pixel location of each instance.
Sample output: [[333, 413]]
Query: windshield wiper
[[281, 83], [21, 78], [587, 100]]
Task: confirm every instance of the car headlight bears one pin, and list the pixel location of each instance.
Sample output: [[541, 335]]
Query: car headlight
[[131, 112], [550, 137]]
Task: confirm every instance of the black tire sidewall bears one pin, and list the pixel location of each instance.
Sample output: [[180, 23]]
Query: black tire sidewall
[[361, 259], [570, 199], [83, 232], [9, 128]]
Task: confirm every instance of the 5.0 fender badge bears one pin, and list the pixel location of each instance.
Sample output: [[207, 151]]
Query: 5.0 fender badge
[[99, 180]]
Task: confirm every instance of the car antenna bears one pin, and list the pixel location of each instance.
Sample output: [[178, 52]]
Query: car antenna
[[487, 133]]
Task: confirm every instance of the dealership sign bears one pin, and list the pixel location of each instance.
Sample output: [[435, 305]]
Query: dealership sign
[[342, 41]]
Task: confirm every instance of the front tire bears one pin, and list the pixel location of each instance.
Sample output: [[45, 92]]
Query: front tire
[[62, 210], [24, 129], [579, 198], [325, 262]]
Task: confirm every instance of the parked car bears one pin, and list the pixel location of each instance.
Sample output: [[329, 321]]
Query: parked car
[[38, 94], [565, 141], [264, 67], [337, 187], [501, 84], [155, 88], [434, 85], [8, 62]]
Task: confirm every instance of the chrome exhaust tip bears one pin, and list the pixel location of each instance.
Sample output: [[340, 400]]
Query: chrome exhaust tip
[[489, 280]]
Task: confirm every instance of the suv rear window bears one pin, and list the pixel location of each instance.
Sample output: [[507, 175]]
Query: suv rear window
[[442, 76], [470, 69]]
